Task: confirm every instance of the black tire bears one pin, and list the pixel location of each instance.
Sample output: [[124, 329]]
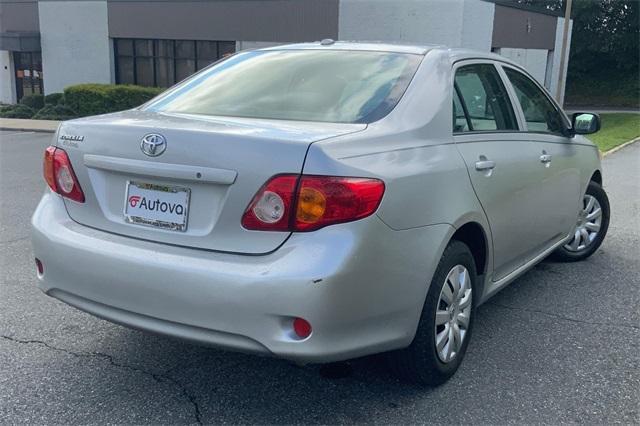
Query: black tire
[[419, 362], [562, 254]]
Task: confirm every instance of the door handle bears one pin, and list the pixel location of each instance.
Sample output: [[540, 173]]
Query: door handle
[[485, 165], [545, 158]]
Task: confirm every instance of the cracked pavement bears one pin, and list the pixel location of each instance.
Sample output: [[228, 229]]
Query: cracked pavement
[[559, 345]]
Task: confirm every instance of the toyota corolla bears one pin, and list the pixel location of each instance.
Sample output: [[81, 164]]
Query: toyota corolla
[[320, 202]]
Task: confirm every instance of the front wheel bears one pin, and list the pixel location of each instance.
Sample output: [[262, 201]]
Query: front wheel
[[445, 325], [591, 226]]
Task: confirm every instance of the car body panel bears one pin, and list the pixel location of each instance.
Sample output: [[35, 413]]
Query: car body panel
[[362, 284]]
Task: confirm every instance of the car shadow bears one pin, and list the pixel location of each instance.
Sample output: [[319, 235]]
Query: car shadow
[[228, 387]]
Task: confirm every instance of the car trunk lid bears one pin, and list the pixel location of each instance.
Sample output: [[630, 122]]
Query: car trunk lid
[[211, 166]]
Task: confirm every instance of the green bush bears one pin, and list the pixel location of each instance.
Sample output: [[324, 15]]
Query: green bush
[[92, 99], [55, 112], [54, 99], [34, 101], [16, 111]]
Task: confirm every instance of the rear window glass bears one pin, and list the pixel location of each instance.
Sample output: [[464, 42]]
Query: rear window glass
[[309, 85]]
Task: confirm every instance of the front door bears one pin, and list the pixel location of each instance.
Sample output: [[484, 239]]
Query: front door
[[502, 163]]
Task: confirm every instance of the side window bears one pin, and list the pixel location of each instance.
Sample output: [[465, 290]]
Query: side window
[[539, 112], [485, 98]]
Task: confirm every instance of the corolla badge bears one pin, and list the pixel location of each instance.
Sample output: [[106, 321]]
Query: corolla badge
[[72, 138], [153, 144]]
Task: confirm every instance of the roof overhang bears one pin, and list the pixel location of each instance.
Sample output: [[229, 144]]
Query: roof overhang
[[17, 41]]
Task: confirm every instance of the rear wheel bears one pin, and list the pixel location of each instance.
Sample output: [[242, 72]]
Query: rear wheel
[[445, 325], [591, 226]]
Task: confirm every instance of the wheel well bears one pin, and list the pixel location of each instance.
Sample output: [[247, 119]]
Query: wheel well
[[597, 177], [473, 236]]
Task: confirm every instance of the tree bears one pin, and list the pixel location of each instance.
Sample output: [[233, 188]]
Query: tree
[[605, 33], [551, 5], [605, 46], [605, 38]]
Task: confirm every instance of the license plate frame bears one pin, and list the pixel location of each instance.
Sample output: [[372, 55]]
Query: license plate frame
[[155, 222]]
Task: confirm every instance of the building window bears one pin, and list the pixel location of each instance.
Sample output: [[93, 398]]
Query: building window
[[162, 63]]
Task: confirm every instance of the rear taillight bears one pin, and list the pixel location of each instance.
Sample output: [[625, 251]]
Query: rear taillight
[[270, 209], [60, 176], [306, 203]]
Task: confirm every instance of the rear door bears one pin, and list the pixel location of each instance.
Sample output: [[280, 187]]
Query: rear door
[[502, 162], [559, 195]]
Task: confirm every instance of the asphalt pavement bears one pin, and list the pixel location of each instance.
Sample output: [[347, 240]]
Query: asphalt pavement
[[561, 344]]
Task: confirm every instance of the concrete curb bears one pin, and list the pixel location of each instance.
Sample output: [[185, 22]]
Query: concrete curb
[[27, 125], [18, 129], [619, 147]]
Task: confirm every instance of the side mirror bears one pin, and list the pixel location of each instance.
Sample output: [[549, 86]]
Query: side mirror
[[585, 123]]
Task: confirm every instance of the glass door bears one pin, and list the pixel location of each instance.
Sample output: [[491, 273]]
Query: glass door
[[28, 69]]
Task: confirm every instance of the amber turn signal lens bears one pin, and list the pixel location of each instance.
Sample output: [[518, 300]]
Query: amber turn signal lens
[[311, 205]]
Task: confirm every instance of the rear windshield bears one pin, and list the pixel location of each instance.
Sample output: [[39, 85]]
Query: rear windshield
[[310, 85]]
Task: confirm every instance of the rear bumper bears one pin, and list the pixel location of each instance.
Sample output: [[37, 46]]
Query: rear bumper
[[361, 285]]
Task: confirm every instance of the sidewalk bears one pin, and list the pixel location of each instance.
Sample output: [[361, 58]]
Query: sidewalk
[[18, 124]]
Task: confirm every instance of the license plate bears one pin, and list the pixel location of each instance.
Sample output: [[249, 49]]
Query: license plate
[[159, 206]]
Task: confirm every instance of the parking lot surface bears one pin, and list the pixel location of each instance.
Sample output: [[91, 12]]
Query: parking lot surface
[[561, 344]]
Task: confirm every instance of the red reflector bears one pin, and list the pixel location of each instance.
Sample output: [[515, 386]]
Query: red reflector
[[302, 328], [39, 266], [306, 203], [59, 174]]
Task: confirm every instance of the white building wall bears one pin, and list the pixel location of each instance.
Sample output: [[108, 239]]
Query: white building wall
[[477, 25], [75, 43], [7, 78], [455, 23], [557, 53], [534, 60]]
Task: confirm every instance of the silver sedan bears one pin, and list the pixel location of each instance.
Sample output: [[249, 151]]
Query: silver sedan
[[320, 202]]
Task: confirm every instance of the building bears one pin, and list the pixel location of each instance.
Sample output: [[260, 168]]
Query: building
[[47, 45]]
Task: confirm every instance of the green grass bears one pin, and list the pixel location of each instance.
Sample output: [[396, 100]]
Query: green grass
[[604, 91], [617, 128]]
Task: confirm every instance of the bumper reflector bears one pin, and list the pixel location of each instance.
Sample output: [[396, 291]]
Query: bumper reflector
[[302, 328]]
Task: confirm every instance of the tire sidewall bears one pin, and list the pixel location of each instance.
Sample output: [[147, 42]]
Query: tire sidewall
[[596, 191], [435, 370]]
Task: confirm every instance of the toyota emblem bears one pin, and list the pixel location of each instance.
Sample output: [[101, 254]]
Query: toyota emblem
[[153, 144]]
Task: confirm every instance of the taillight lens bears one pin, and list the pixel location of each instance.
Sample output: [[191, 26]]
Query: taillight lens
[[60, 176], [270, 209], [326, 200], [306, 203]]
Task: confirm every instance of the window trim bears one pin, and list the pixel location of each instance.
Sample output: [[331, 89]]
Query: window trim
[[516, 111], [467, 117], [554, 104]]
